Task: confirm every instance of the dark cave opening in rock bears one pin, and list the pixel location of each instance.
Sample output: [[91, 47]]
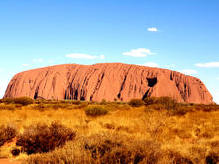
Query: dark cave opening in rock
[[152, 81]]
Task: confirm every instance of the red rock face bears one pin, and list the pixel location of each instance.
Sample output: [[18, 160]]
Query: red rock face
[[107, 81]]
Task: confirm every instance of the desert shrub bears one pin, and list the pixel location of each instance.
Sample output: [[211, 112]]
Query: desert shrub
[[40, 107], [56, 106], [15, 151], [42, 138], [154, 107], [206, 108], [116, 106], [212, 158], [112, 106], [177, 158], [6, 134], [98, 149], [83, 105], [103, 102], [181, 133], [75, 102], [8, 100], [23, 101], [150, 100], [95, 110], [19, 100], [180, 110], [136, 102], [7, 107], [167, 102], [119, 149], [61, 105], [124, 107]]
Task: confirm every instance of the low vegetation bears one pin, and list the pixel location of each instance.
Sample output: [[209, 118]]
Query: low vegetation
[[7, 133], [42, 138], [21, 100], [136, 102], [151, 131], [95, 110]]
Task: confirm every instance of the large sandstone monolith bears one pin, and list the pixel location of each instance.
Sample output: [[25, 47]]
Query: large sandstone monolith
[[107, 81]]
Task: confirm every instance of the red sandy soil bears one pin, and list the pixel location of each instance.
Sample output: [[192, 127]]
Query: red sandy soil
[[8, 161]]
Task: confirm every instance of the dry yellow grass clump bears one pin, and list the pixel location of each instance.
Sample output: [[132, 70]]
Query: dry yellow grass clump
[[112, 132]]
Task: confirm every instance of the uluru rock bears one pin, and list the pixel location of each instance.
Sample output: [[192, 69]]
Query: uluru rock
[[107, 81]]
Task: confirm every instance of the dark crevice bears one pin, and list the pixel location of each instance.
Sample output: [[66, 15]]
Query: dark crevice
[[119, 95], [123, 83], [99, 82], [91, 98], [152, 81], [171, 76], [82, 98], [65, 97], [76, 95], [146, 94], [36, 93]]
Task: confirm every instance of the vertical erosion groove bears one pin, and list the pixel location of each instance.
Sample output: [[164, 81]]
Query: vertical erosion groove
[[99, 82], [123, 83]]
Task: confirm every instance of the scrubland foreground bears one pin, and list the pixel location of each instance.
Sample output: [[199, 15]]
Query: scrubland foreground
[[153, 131]]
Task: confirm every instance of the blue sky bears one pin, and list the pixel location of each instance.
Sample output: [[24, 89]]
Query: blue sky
[[180, 35]]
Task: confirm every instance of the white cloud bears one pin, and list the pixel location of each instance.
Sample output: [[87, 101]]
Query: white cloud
[[217, 78], [39, 60], [189, 71], [25, 65], [151, 64], [140, 52], [84, 56], [208, 65], [152, 29]]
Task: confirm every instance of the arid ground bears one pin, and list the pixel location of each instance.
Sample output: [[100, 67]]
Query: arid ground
[[151, 131]]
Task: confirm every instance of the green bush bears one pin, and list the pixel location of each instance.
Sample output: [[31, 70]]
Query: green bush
[[7, 134], [136, 102], [42, 138], [95, 110], [23, 101]]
